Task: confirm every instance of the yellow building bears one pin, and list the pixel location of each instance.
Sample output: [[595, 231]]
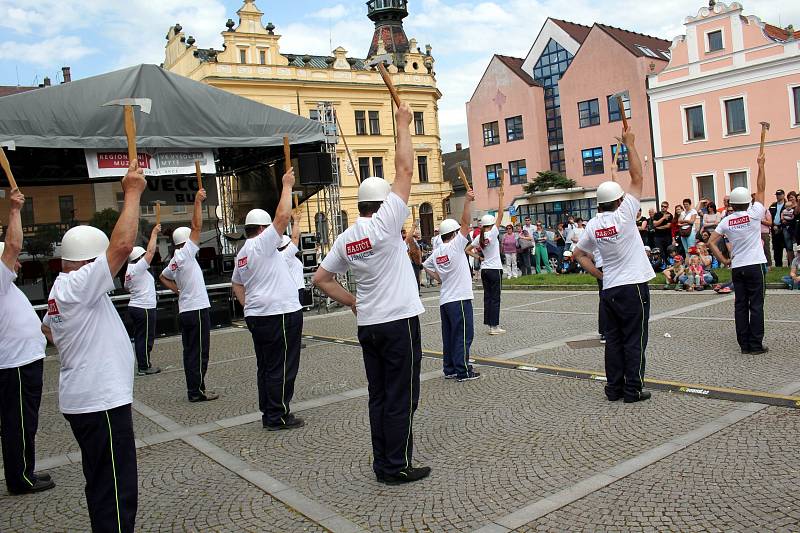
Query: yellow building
[[253, 65]]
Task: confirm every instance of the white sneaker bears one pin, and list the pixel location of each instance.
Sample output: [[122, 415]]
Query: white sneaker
[[497, 330]]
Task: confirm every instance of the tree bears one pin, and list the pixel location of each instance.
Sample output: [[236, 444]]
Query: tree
[[548, 179], [105, 220]]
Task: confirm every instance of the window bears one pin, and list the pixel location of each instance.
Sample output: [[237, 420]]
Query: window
[[66, 208], [735, 116], [715, 43], [377, 167], [179, 210], [262, 57], [243, 56], [374, 123], [647, 51], [622, 160], [363, 167], [493, 175], [518, 172], [737, 179], [705, 187], [589, 113], [147, 210], [344, 222], [419, 123], [321, 223], [551, 213], [592, 161], [613, 107], [313, 114], [27, 211], [491, 134], [120, 201], [422, 166], [695, 128], [514, 129], [361, 123], [796, 106], [552, 63]]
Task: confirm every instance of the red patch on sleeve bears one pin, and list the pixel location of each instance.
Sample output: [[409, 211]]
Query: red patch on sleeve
[[52, 308], [243, 262], [358, 247], [173, 266]]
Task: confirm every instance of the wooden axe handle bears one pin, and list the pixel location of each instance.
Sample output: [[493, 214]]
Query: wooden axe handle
[[130, 133], [464, 179], [287, 155], [616, 154], [158, 214], [622, 112], [7, 168], [763, 138], [389, 85], [199, 175]]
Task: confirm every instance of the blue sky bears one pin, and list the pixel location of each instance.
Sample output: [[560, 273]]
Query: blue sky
[[37, 37]]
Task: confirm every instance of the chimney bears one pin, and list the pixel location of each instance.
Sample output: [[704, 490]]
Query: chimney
[[67, 74], [46, 81], [458, 147]]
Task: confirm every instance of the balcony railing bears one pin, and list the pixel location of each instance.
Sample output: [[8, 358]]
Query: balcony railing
[[374, 5]]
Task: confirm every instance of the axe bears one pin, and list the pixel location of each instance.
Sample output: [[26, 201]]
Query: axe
[[616, 154], [463, 178], [199, 174], [5, 164], [380, 62], [287, 155], [621, 105], [158, 211], [764, 130], [144, 105]]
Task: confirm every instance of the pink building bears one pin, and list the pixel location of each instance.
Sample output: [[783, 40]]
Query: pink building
[[559, 98], [728, 73]]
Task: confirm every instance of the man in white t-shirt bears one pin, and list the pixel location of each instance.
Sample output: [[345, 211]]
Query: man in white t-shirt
[[626, 270], [742, 228], [95, 389], [21, 366], [387, 306], [436, 240], [449, 264], [264, 286], [289, 248], [184, 277], [142, 305]]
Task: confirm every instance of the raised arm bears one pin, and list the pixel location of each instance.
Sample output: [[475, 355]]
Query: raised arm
[[197, 216], [761, 181], [499, 218], [403, 154], [467, 212], [127, 226], [296, 230], [284, 211], [151, 244], [14, 234], [635, 164]]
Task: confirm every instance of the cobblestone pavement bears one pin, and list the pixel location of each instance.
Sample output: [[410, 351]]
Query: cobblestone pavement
[[512, 451]]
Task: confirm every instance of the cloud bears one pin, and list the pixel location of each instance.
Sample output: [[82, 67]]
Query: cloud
[[334, 12], [48, 53]]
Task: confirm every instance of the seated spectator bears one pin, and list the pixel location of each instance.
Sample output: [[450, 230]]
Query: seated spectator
[[694, 277], [674, 272], [793, 279], [569, 265], [654, 256]]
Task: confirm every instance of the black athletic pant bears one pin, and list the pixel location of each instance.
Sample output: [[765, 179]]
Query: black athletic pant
[[20, 396], [196, 335], [108, 456], [144, 334], [627, 310], [277, 343], [492, 282], [601, 311], [748, 288], [778, 245], [392, 356]]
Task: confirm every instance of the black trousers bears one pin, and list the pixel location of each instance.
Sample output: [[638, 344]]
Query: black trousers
[[492, 282], [276, 340], [392, 356], [748, 287], [196, 336], [778, 246], [144, 334], [108, 455], [627, 310], [601, 310], [20, 396]]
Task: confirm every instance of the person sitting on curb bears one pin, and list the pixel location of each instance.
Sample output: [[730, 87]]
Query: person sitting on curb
[[674, 272], [793, 279]]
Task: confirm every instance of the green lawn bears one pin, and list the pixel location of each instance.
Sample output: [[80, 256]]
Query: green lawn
[[542, 280]]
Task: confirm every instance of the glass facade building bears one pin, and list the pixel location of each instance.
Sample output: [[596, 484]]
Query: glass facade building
[[553, 62]]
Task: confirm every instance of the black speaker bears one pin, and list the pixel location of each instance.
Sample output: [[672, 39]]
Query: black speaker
[[308, 241], [315, 169]]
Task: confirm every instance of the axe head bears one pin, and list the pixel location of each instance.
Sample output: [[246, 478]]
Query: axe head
[[8, 145], [386, 59], [765, 125], [144, 104]]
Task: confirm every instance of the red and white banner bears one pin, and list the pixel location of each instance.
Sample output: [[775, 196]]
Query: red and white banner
[[154, 162]]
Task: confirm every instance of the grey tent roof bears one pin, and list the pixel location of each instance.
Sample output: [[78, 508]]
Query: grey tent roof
[[184, 114]]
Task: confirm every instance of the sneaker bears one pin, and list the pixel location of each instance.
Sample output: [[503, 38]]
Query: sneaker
[[292, 423], [406, 475], [758, 351], [497, 330], [643, 395], [44, 476], [602, 339], [208, 396], [39, 485], [450, 376], [148, 371], [469, 377]]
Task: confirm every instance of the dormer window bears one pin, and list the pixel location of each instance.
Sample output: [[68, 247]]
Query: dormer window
[[715, 43], [647, 51]]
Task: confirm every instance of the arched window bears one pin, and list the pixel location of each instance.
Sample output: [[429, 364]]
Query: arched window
[[345, 222], [426, 221], [321, 222]]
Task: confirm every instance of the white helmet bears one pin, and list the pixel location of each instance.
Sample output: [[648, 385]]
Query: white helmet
[[448, 225], [488, 220], [739, 196], [646, 248], [257, 217], [137, 252], [83, 243], [181, 235], [608, 191], [568, 254], [285, 240], [373, 190]]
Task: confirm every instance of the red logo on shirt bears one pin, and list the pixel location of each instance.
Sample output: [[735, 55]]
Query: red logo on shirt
[[358, 247], [173, 266], [243, 262], [128, 277], [52, 308], [605, 233], [744, 219], [442, 260]]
